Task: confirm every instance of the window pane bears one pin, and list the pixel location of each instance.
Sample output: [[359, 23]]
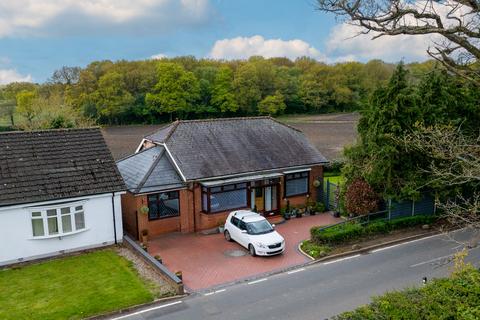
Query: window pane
[[65, 210], [36, 214], [52, 225], [79, 220], [152, 210], [241, 185], [79, 208], [52, 212], [169, 208], [204, 202], [228, 200], [37, 227], [297, 186], [67, 223], [216, 189]]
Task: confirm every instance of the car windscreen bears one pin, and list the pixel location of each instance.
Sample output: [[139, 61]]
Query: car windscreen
[[259, 227]]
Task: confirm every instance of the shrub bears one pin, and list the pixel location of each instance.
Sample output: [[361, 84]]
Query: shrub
[[352, 231], [336, 235], [449, 298], [315, 250], [360, 198], [319, 207]]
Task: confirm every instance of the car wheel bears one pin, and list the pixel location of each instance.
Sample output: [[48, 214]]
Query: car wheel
[[251, 248], [227, 235]]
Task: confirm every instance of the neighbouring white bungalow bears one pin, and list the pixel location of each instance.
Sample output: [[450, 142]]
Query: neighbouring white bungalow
[[59, 192]]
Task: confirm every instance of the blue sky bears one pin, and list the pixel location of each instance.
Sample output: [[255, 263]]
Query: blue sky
[[39, 36]]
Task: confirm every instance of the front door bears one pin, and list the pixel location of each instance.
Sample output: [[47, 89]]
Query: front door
[[265, 199]]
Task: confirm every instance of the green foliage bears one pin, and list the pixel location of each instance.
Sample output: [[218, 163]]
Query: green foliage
[[456, 297], [72, 288], [352, 231], [380, 157], [272, 105], [314, 250], [153, 91], [223, 96], [176, 91]]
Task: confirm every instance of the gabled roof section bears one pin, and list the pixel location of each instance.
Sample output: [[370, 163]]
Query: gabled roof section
[[55, 164], [221, 147], [148, 171]]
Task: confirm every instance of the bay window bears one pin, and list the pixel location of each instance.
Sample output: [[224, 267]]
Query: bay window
[[222, 198], [296, 183], [57, 221]]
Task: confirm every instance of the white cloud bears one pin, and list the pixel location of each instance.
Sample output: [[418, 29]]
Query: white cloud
[[11, 75], [345, 41], [346, 44], [158, 56], [245, 47], [27, 17]]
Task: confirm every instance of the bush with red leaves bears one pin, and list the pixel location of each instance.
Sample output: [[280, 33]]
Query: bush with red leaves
[[360, 198]]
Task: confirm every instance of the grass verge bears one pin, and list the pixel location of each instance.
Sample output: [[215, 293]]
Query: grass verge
[[72, 287]]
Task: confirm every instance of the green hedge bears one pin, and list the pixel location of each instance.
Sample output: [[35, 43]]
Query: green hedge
[[351, 231], [457, 297]]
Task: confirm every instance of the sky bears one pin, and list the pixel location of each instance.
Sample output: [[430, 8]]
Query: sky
[[40, 36]]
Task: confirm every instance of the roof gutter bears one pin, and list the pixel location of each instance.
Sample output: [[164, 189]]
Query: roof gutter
[[295, 168]]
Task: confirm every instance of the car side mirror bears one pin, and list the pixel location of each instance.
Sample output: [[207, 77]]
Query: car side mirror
[[244, 231], [273, 226]]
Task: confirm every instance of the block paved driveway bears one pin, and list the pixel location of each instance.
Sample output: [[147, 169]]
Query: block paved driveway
[[209, 260]]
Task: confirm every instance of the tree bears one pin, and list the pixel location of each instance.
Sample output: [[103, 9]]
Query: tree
[[454, 170], [272, 105], [111, 98], [223, 96], [377, 158], [25, 105], [176, 91], [455, 23], [247, 89], [66, 75]]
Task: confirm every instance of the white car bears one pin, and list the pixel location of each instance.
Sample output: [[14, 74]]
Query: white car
[[254, 232]]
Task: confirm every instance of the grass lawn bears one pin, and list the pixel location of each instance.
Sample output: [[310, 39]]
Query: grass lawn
[[334, 179], [71, 288]]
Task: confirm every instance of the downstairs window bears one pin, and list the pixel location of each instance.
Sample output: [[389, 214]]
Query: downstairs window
[[57, 221]]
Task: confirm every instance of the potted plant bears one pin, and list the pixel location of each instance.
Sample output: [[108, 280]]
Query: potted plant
[[144, 209], [144, 247], [221, 227], [285, 214], [316, 183], [310, 207], [300, 211], [158, 258], [179, 275], [144, 236]]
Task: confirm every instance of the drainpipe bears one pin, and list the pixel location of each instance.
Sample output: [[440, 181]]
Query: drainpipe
[[114, 219], [194, 211]]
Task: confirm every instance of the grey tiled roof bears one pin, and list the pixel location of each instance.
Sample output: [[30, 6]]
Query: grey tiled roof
[[219, 147], [148, 171], [55, 164]]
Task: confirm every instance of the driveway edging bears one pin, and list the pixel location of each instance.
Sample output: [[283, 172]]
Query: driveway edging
[[366, 249]]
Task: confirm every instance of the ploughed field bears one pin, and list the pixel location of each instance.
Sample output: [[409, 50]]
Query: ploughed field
[[328, 132]]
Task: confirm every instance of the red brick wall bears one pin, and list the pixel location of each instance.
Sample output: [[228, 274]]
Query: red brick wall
[[191, 217]]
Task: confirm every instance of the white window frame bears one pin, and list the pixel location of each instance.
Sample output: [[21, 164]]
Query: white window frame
[[43, 210]]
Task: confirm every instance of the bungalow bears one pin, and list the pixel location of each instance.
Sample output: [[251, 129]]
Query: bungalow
[[59, 192], [190, 174]]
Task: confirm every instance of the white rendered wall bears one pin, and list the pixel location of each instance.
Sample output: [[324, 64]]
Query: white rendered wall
[[18, 244]]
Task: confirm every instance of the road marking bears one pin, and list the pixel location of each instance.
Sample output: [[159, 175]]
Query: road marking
[[401, 244], [214, 292], [147, 310], [433, 260], [295, 271], [257, 281], [439, 258], [342, 259]]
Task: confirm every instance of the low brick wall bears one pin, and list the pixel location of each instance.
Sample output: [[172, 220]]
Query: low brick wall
[[160, 268]]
